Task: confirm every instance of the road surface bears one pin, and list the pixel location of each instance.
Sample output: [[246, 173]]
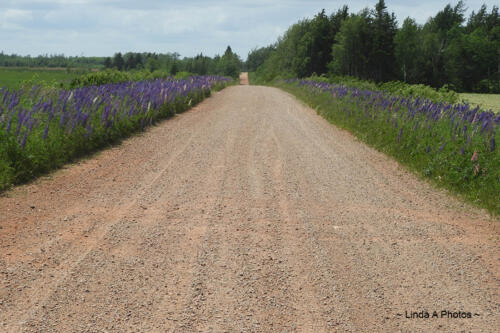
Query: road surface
[[248, 213]]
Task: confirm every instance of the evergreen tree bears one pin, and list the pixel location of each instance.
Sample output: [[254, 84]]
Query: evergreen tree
[[230, 63], [138, 61], [175, 69], [322, 39], [108, 63], [130, 62], [118, 61], [382, 55]]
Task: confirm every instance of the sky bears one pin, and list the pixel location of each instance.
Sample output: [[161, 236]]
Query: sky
[[189, 27]]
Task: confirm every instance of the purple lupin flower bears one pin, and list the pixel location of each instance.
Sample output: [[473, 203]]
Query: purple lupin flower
[[442, 146], [89, 131], [23, 142], [9, 125], [46, 131], [485, 125]]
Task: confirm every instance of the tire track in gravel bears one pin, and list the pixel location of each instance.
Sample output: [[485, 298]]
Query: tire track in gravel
[[247, 258], [249, 213], [81, 249], [311, 313], [137, 238]]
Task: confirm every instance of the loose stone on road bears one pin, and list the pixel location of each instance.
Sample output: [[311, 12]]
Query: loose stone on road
[[248, 213]]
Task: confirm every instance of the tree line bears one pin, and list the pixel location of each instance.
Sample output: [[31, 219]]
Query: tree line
[[463, 54], [228, 64], [51, 61]]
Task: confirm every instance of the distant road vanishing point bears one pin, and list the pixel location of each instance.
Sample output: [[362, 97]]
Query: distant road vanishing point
[[244, 78]]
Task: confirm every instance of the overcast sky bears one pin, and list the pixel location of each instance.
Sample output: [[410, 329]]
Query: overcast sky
[[103, 27]]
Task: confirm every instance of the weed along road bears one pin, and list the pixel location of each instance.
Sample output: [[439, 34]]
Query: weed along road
[[248, 213]]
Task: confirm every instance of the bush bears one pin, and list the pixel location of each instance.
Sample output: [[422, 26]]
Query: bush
[[114, 76], [351, 81], [398, 88]]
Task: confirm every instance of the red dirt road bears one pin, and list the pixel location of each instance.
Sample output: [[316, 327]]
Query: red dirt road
[[249, 213], [244, 78]]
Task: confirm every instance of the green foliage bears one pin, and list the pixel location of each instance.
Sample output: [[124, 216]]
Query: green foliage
[[174, 69], [351, 50], [352, 81], [118, 61], [103, 77], [133, 61], [50, 61], [229, 64], [304, 49], [108, 63], [382, 58], [160, 66], [115, 76], [445, 51], [152, 64], [471, 56], [257, 57], [398, 88], [365, 46], [182, 75], [407, 43]]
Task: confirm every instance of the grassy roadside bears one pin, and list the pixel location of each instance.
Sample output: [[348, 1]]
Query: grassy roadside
[[42, 129], [449, 151]]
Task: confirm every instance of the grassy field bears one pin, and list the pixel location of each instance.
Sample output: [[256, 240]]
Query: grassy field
[[485, 101], [13, 78]]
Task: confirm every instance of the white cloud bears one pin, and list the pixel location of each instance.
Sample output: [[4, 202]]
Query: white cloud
[[12, 20], [102, 27], [17, 15]]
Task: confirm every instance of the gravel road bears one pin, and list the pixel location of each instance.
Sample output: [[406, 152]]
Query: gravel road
[[248, 213]]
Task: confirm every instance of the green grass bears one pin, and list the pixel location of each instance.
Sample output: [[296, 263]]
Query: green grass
[[484, 101], [43, 128], [432, 149], [13, 78]]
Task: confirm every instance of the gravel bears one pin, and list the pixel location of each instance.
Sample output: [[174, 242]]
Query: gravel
[[249, 213]]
